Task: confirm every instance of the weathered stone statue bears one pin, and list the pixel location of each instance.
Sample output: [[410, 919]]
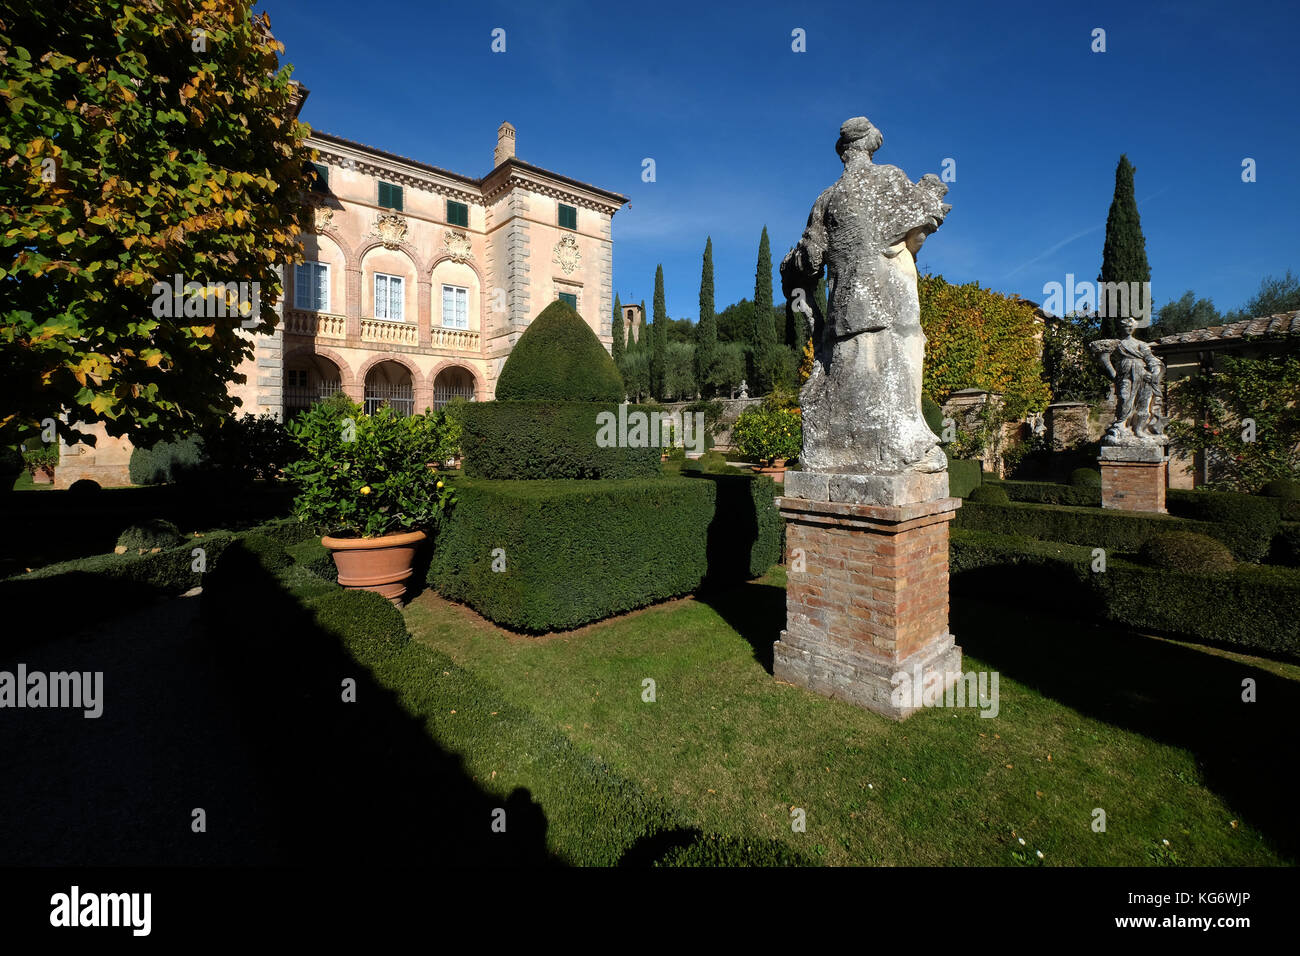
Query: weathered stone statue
[[1137, 374], [864, 437]]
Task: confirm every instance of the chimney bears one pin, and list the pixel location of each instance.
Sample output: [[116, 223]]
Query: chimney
[[505, 145]]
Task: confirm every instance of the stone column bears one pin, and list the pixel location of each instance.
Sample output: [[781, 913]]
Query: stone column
[[1134, 478], [867, 591]]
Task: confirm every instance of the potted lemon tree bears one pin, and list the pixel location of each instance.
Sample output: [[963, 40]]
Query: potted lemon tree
[[363, 481], [771, 435]]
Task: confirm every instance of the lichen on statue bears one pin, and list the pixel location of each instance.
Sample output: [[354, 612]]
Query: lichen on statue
[[862, 403]]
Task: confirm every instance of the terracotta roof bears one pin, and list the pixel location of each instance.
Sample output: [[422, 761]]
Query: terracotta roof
[[476, 181], [1284, 323]]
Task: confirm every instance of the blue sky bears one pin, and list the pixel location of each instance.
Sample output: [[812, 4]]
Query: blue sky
[[742, 129]]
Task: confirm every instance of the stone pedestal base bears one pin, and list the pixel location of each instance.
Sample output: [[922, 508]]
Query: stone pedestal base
[[867, 601], [1134, 479]]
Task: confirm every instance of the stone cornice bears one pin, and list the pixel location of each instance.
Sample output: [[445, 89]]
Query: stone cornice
[[512, 174], [397, 173]]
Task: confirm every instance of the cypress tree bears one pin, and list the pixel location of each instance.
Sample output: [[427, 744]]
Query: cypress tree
[[706, 332], [1124, 256], [616, 330], [763, 286], [658, 336], [641, 340]]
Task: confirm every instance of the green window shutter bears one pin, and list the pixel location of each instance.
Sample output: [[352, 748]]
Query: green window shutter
[[571, 299], [457, 213], [321, 181], [390, 196], [568, 217]]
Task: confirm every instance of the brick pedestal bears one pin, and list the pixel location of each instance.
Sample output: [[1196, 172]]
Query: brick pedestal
[[870, 602], [1134, 479]]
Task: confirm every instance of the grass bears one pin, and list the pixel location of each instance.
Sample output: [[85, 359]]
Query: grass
[[1151, 732]]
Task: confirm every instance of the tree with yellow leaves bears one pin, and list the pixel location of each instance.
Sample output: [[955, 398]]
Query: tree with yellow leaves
[[145, 145]]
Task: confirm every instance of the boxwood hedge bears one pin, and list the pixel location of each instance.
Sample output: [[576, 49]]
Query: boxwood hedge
[[1117, 531], [544, 439], [1250, 607], [574, 553]]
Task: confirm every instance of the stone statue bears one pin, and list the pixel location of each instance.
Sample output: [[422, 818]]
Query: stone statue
[[1137, 374], [744, 389], [862, 403]]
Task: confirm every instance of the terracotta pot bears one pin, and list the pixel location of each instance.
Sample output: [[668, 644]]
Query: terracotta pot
[[775, 470], [43, 476], [379, 564]]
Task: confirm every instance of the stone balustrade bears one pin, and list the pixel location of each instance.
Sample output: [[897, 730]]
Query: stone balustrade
[[396, 333], [320, 324], [456, 340]]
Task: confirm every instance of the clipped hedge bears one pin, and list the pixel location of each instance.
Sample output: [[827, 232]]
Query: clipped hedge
[[989, 494], [1052, 493], [964, 476], [1116, 531], [530, 440], [559, 358], [1186, 551], [112, 584], [150, 534], [1251, 521], [1286, 545], [577, 553], [1251, 607]]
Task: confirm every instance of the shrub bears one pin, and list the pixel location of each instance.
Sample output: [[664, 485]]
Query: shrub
[[268, 553], [248, 448], [369, 626], [579, 552], [287, 531], [559, 359], [932, 413], [1250, 607], [1286, 545], [41, 457], [1116, 531], [316, 558], [965, 475], [1051, 493], [147, 535], [1248, 522], [112, 583], [1287, 488], [551, 440], [167, 461], [1085, 478], [84, 486], [768, 434], [365, 476], [989, 494], [1186, 551]]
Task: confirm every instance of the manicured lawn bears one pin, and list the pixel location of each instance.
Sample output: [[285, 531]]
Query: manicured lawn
[[1153, 732]]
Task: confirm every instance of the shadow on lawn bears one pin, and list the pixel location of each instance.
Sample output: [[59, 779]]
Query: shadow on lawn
[[755, 611], [1176, 695], [353, 782]]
